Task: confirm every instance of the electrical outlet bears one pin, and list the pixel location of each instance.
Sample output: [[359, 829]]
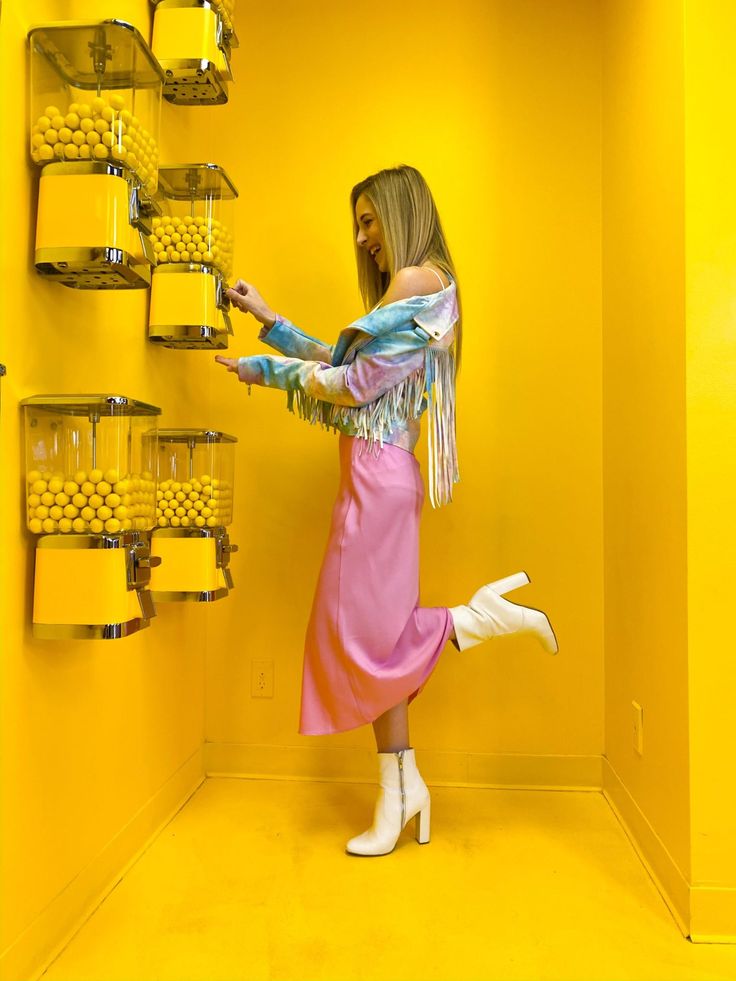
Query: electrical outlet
[[638, 728], [261, 679]]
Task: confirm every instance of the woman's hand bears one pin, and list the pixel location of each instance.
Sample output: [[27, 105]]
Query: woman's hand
[[247, 299], [246, 369], [230, 363]]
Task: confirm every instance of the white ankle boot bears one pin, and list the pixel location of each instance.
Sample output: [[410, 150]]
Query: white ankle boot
[[402, 796], [488, 614]]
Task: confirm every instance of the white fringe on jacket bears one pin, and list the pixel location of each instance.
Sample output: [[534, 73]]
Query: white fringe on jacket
[[435, 382]]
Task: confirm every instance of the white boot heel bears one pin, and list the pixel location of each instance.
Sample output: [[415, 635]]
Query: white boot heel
[[488, 614], [516, 581], [421, 825], [402, 795]]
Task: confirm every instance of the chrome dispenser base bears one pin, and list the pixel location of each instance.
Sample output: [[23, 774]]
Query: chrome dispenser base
[[189, 337], [93, 269], [190, 82], [100, 631]]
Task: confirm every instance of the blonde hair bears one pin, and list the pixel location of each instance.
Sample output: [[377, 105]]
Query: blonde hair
[[411, 229]]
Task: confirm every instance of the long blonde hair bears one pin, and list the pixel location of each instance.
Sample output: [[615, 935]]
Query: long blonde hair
[[412, 233]]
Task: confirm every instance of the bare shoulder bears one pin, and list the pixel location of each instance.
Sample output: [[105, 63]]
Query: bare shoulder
[[412, 281]]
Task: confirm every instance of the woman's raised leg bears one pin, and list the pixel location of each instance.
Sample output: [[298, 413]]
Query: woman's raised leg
[[392, 729]]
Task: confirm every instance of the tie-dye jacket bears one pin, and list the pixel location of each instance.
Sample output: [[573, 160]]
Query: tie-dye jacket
[[386, 368]]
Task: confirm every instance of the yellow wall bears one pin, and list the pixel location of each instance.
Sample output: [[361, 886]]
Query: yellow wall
[[710, 219], [498, 105], [92, 731], [644, 453]]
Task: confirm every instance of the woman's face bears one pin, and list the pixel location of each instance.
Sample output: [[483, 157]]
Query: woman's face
[[370, 236]]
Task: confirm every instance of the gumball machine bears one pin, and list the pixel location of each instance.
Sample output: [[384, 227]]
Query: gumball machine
[[95, 107], [192, 40], [194, 507], [90, 496], [192, 245]]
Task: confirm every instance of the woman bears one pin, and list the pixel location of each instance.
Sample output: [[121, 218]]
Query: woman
[[370, 647]]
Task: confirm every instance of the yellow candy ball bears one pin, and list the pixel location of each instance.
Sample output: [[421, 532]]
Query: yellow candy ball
[[70, 511], [62, 499], [71, 151], [108, 114], [104, 512], [120, 512], [96, 526], [85, 152], [35, 525], [51, 136], [95, 501], [86, 125], [49, 526], [47, 499], [112, 500], [100, 152], [56, 512], [33, 500], [96, 476], [84, 112], [79, 500], [87, 513], [112, 525], [42, 511], [45, 153], [98, 104], [56, 485], [79, 138], [44, 122], [103, 488], [175, 522], [199, 521], [79, 525], [72, 120], [57, 121], [65, 525], [117, 102], [93, 138]]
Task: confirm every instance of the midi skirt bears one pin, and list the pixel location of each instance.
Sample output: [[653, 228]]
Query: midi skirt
[[369, 644]]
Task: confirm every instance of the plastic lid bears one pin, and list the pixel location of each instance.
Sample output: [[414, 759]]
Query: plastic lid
[[195, 181], [108, 51], [104, 405], [194, 435]]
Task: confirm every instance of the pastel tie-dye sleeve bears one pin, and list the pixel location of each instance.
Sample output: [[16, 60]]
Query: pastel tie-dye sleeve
[[294, 343], [358, 383]]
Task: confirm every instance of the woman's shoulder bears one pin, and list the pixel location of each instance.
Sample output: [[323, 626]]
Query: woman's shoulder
[[413, 281]]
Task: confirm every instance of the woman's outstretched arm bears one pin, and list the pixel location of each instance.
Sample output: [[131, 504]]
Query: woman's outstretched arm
[[278, 332]]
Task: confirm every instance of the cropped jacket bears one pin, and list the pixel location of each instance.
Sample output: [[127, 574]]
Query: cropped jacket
[[375, 382]]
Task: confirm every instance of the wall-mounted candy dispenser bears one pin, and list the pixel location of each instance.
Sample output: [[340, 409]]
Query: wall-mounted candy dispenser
[[192, 243], [95, 108], [192, 40], [90, 493], [194, 507]]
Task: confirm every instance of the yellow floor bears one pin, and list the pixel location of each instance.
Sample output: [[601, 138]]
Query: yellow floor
[[250, 880]]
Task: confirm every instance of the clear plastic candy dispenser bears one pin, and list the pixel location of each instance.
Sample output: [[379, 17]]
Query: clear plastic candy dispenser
[[90, 494], [192, 40], [192, 243], [96, 93], [194, 508]]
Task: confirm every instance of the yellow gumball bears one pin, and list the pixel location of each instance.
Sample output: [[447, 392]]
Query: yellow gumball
[[49, 526], [45, 153], [70, 511], [100, 152], [85, 152], [95, 501], [93, 138], [117, 102], [56, 512], [79, 525], [65, 525], [72, 120], [103, 488], [96, 526], [96, 476], [112, 525], [87, 513], [71, 151], [79, 137], [98, 104], [104, 512], [57, 121], [35, 525]]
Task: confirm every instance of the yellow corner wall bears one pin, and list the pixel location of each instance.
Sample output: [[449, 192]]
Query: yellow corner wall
[[710, 219], [644, 450]]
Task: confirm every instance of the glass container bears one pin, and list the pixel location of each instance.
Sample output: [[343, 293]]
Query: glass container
[[90, 464], [195, 228], [96, 93], [196, 469]]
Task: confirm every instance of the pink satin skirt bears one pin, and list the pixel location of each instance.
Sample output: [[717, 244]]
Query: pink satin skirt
[[369, 644]]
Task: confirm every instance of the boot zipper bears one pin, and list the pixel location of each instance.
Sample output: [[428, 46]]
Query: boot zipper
[[400, 755]]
